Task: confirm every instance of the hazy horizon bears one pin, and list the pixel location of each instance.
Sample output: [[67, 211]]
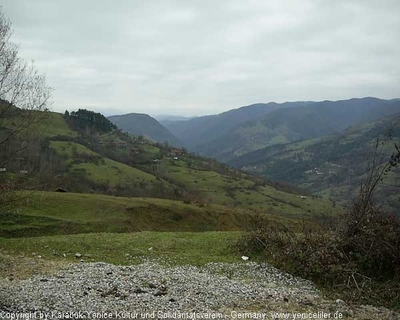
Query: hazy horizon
[[196, 58], [187, 117]]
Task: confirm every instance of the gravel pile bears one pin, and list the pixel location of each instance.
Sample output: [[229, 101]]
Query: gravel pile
[[101, 287]]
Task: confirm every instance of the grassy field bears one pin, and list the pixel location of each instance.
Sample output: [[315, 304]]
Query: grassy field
[[242, 193], [104, 171], [56, 226], [52, 213], [54, 125], [194, 248], [46, 124], [121, 230], [67, 149]]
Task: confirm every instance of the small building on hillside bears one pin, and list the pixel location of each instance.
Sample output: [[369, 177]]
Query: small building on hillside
[[120, 143], [176, 152], [135, 150]]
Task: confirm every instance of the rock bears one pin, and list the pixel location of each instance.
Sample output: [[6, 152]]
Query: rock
[[160, 293], [340, 301], [271, 285], [78, 255], [113, 291], [245, 258], [306, 302], [139, 291]]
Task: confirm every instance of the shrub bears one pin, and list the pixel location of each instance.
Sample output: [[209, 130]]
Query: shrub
[[362, 254]]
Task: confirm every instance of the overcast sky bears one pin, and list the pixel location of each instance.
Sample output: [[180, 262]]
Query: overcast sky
[[203, 57]]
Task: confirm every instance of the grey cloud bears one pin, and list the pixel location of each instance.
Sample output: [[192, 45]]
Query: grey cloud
[[201, 57]]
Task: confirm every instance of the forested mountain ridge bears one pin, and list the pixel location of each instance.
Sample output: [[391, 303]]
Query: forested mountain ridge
[[224, 137], [142, 124], [200, 130], [334, 165]]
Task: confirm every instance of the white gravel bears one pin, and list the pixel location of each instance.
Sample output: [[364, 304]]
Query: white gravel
[[104, 287], [151, 287]]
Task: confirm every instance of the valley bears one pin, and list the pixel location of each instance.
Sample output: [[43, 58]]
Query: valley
[[197, 160], [105, 195], [333, 166]]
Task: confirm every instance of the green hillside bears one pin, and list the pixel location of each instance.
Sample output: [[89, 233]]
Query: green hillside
[[52, 213], [183, 248], [332, 166], [83, 152], [97, 168]]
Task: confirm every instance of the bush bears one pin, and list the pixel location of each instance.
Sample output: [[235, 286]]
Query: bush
[[312, 254], [361, 255], [369, 236]]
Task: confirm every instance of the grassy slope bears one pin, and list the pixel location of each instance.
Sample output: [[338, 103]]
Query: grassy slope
[[242, 193], [45, 124], [106, 171], [51, 213], [128, 248], [55, 125], [49, 225], [54, 218]]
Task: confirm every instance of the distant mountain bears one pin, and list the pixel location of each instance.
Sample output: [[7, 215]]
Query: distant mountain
[[332, 166], [290, 122], [143, 124], [201, 130], [166, 117]]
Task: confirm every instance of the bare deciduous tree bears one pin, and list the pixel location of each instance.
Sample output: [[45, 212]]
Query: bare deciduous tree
[[23, 92]]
